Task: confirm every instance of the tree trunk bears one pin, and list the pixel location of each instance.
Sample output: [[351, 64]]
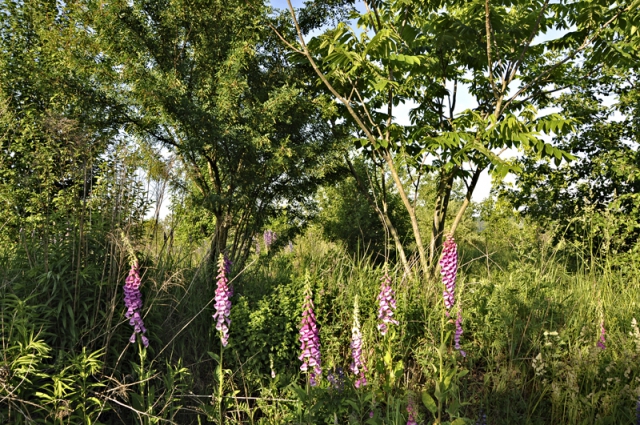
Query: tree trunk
[[467, 199], [220, 236], [463, 208], [384, 218], [412, 212], [439, 219]]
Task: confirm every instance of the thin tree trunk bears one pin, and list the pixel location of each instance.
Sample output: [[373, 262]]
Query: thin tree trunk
[[220, 236], [412, 212], [384, 218], [439, 219], [463, 207], [467, 200]]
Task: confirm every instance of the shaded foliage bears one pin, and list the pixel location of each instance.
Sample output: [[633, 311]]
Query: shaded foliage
[[209, 82], [606, 173]]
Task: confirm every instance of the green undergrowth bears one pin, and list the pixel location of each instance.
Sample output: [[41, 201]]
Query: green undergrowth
[[531, 330]]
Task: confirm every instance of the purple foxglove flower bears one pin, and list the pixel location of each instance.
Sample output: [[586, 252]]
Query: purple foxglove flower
[[638, 412], [227, 271], [257, 245], [412, 413], [386, 305], [310, 341], [602, 333], [458, 334], [269, 238], [133, 303], [449, 267], [357, 365], [290, 246], [223, 303]]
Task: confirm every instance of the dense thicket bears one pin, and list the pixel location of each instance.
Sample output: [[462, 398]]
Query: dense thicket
[[604, 176]]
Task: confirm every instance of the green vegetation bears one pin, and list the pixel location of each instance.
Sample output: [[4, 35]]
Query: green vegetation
[[323, 260]]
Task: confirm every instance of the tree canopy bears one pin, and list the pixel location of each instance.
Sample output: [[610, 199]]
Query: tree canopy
[[209, 82], [424, 53]]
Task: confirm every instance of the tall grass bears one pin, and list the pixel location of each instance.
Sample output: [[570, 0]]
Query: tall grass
[[531, 327]]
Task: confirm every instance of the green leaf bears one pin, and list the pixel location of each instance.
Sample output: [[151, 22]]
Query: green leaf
[[438, 392], [380, 84], [453, 407], [387, 358], [429, 402]]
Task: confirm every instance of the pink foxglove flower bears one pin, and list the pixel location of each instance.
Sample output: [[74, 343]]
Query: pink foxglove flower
[[458, 334], [357, 365], [603, 331], [269, 238], [412, 413], [257, 246], [449, 268], [386, 305], [133, 303], [223, 303], [310, 341], [227, 271]]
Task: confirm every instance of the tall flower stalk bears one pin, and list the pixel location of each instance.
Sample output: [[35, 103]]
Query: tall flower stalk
[[458, 334], [412, 413], [269, 238], [603, 331], [223, 301], [357, 367], [223, 310], [449, 269], [133, 303], [386, 305], [310, 340]]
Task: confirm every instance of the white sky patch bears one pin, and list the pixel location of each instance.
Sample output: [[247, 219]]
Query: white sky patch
[[159, 192]]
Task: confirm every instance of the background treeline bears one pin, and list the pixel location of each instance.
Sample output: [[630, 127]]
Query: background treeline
[[251, 124]]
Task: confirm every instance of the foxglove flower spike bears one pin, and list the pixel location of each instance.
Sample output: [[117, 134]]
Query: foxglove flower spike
[[449, 269], [133, 304], [386, 305], [222, 297]]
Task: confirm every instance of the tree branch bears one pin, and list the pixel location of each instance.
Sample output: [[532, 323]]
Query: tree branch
[[588, 40], [326, 82], [382, 216], [467, 199], [511, 73], [487, 24]]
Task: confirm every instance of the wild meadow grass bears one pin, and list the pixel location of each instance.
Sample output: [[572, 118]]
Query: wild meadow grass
[[530, 330]]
